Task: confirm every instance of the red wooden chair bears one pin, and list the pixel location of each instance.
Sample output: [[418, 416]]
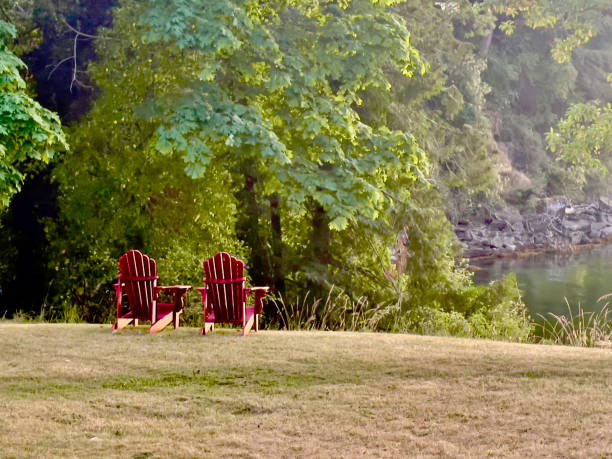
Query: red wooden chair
[[224, 296], [137, 281]]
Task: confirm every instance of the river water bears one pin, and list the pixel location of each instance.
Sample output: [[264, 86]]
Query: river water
[[547, 280]]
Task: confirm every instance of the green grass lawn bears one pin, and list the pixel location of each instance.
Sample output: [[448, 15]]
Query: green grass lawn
[[79, 390]]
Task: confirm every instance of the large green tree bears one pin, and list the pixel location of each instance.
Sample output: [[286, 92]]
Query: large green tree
[[275, 95], [278, 84]]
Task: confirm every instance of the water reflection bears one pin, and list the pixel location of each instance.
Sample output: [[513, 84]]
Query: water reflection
[[549, 278]]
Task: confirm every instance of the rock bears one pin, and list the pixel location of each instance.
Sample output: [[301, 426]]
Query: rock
[[477, 252], [606, 233], [576, 237], [583, 213], [517, 227], [605, 204], [557, 226], [464, 234], [554, 206], [572, 226], [537, 223], [499, 225], [596, 228], [509, 215]]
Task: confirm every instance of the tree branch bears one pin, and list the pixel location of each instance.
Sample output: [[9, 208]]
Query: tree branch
[[77, 35], [78, 32], [57, 65], [4, 14]]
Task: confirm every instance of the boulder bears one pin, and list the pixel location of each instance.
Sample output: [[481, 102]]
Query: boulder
[[606, 233], [605, 204], [518, 227], [596, 228], [499, 225], [572, 226], [509, 215]]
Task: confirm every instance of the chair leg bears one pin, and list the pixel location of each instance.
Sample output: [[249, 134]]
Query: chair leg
[[120, 324], [177, 315], [248, 324], [208, 327], [161, 324]]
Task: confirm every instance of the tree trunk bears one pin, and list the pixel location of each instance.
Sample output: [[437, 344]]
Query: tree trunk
[[321, 235], [485, 44], [277, 245], [247, 229]]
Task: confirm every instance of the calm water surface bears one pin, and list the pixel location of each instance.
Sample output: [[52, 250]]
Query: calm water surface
[[546, 280]]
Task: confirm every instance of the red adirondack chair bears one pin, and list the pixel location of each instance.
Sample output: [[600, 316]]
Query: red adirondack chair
[[224, 296], [137, 281]]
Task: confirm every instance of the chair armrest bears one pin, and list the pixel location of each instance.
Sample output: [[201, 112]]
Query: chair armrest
[[259, 293], [178, 291], [183, 288]]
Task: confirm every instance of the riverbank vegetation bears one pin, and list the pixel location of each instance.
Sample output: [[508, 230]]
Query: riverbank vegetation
[[578, 327], [302, 137], [81, 389]]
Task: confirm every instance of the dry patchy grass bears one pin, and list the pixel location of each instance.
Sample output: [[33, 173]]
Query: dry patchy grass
[[78, 390]]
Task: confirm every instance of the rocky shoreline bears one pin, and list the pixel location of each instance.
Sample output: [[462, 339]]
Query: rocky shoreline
[[556, 225]]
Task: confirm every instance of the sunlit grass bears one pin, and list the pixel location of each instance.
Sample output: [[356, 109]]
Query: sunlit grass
[[578, 328], [79, 390]]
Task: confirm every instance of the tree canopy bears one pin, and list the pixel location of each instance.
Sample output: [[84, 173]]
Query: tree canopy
[[280, 85]]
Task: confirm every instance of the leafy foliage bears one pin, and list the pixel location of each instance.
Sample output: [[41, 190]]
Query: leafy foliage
[[27, 130], [117, 193], [583, 136], [575, 20], [280, 85], [446, 108], [533, 90], [435, 291]]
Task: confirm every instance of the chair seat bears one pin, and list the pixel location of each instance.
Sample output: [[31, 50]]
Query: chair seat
[[249, 312], [163, 309]]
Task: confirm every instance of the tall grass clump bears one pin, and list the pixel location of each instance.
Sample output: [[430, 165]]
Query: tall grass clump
[[580, 328], [337, 312]]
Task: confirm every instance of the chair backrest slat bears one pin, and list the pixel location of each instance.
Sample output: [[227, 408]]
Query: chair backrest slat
[[225, 283], [139, 274]]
